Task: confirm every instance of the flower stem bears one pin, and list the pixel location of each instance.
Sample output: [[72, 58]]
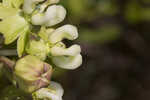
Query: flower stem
[[7, 62], [8, 53]]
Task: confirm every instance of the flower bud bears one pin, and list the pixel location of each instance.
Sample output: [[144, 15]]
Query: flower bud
[[37, 48], [53, 92], [65, 32], [31, 73], [45, 33], [53, 15]]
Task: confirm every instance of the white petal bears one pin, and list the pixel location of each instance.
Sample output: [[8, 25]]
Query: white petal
[[60, 51], [38, 19], [57, 87], [70, 62], [65, 32], [53, 15]]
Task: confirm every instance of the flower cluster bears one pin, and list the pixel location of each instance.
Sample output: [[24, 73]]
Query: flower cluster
[[30, 23]]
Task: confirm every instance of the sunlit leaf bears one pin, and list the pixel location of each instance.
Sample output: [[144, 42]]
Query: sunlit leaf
[[6, 11], [22, 41], [11, 27]]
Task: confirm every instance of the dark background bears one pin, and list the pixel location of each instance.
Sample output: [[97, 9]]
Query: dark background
[[115, 37]]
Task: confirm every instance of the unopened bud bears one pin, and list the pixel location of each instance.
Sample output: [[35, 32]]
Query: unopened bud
[[37, 48], [32, 74]]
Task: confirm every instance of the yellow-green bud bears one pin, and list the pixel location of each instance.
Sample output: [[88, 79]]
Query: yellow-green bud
[[37, 48], [31, 73]]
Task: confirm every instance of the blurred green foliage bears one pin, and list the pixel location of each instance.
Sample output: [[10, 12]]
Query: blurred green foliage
[[12, 93]]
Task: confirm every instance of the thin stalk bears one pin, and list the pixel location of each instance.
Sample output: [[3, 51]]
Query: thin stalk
[[7, 62], [8, 52]]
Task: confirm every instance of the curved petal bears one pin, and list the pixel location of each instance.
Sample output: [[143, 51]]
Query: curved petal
[[53, 15], [65, 32], [60, 51], [68, 62]]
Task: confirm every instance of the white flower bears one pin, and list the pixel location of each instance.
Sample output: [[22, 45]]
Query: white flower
[[71, 51], [65, 32], [67, 58], [53, 15], [68, 62]]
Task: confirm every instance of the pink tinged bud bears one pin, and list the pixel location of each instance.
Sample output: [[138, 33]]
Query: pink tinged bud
[[32, 74]]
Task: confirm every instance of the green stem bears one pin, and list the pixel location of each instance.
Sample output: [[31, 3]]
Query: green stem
[[7, 62], [8, 53], [8, 68]]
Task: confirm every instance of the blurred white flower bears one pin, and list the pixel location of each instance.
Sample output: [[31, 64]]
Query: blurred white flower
[[53, 92]]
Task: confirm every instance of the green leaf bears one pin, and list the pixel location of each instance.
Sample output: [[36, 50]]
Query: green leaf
[[13, 93], [7, 11], [11, 27], [22, 41]]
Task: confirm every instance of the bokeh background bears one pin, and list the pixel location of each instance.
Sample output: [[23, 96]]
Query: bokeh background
[[115, 40]]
